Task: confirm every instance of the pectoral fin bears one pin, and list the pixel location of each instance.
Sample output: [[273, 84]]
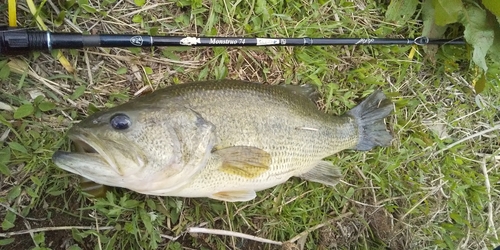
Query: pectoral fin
[[233, 196], [248, 162], [324, 172]]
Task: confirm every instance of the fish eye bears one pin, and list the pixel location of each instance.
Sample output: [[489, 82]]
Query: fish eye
[[120, 121]]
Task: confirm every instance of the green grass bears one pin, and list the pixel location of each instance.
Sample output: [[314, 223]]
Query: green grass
[[407, 196]]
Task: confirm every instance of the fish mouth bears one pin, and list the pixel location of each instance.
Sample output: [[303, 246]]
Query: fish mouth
[[87, 153], [82, 146]]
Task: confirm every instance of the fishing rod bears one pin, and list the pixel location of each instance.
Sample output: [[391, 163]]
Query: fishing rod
[[15, 41]]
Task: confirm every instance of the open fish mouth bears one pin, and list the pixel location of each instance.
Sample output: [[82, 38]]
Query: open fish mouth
[[88, 160], [87, 185], [83, 147]]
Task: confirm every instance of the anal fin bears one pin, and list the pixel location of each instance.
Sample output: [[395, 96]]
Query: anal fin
[[324, 172], [233, 196]]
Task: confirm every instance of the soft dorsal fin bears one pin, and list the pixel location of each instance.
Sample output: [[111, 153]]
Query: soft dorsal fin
[[307, 90]]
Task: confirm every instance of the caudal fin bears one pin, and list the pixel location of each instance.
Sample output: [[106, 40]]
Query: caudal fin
[[370, 115]]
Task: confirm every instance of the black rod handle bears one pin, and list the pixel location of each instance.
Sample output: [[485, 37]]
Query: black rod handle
[[21, 41]]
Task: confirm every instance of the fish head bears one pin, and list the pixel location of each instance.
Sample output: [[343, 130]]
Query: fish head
[[145, 149]]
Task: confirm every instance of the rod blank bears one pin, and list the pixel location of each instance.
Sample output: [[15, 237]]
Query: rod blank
[[22, 41]]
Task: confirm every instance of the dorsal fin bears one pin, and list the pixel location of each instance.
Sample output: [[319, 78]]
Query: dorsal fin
[[307, 90]]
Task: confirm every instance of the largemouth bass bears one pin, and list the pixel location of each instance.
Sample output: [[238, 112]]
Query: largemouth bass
[[220, 139]]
